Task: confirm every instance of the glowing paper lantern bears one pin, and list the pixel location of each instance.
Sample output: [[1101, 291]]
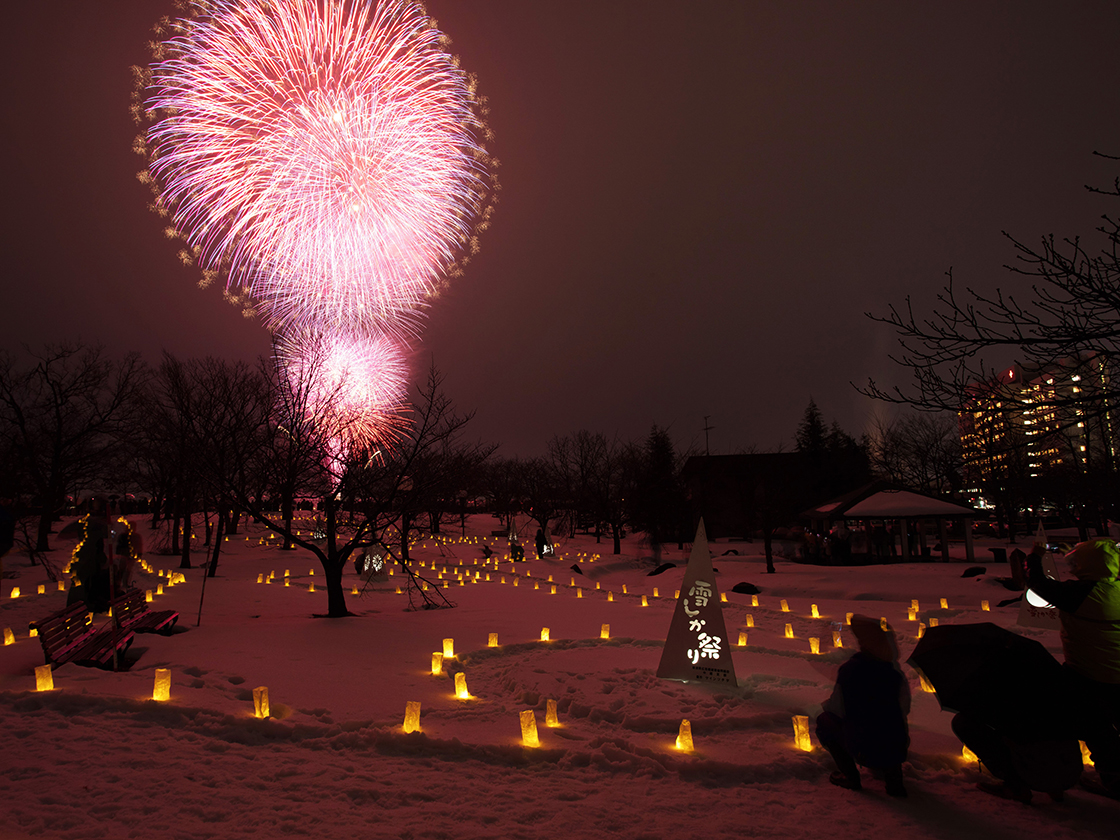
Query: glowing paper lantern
[[515, 581], [814, 644], [61, 586], [461, 686], [287, 573], [9, 636], [354, 591], [933, 622], [723, 597], [579, 593], [921, 630], [412, 716], [550, 718], [260, 701], [15, 591], [448, 648], [162, 689], [801, 733], [605, 631], [42, 590], [789, 631], [754, 600], [985, 606], [785, 606], [883, 624], [610, 596], [536, 584], [927, 686], [529, 729], [544, 634], [742, 639], [44, 679], [655, 595], [645, 603], [310, 587], [148, 596], [676, 592], [914, 605], [944, 603], [437, 663], [848, 619], [32, 632], [816, 612], [553, 592], [749, 621], [684, 737], [911, 615], [260, 578], [836, 640], [311, 572]]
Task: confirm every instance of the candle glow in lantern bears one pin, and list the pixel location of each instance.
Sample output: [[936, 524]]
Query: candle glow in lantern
[[789, 631], [605, 631], [944, 603], [437, 663], [148, 596], [610, 596], [529, 735], [801, 733], [9, 636], [42, 590], [461, 686], [645, 603], [911, 615], [921, 630], [655, 595], [848, 618], [785, 606], [742, 639], [448, 648], [162, 688], [754, 600], [550, 718], [61, 586], [749, 621], [927, 686], [836, 640], [723, 597], [816, 612], [15, 591], [933, 622], [544, 634], [968, 755], [814, 644], [492, 640], [260, 701], [412, 716], [684, 736], [579, 593], [985, 606], [44, 679]]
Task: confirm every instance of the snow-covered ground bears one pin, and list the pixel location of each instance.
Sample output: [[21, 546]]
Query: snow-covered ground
[[97, 758]]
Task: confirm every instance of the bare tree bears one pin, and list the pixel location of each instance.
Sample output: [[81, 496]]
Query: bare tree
[[921, 451], [68, 411]]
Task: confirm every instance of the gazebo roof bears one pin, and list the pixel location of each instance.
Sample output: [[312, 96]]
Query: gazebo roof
[[883, 500]]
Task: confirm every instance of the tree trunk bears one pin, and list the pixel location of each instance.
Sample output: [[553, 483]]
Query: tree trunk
[[185, 563], [406, 526], [176, 524], [41, 543], [287, 505], [336, 596], [616, 532], [768, 542], [213, 569]]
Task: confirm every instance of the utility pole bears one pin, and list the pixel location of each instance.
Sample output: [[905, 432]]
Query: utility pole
[[707, 428]]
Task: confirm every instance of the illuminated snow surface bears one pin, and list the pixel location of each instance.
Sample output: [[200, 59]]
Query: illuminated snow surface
[[96, 759]]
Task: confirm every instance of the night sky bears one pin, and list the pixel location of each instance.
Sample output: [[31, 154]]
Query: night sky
[[700, 200]]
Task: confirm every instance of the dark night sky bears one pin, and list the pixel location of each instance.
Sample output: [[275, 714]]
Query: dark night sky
[[700, 199]]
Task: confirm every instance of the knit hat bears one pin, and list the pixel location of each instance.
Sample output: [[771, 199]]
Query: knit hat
[[873, 639]]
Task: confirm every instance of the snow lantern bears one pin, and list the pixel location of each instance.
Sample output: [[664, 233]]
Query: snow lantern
[[754, 600], [944, 603], [159, 589], [610, 596], [550, 718], [789, 631], [9, 636], [529, 735], [785, 606], [61, 586], [985, 606], [260, 701], [816, 612], [911, 615], [162, 688], [814, 644], [921, 630], [914, 605], [927, 686], [749, 620], [848, 618], [492, 640], [15, 591], [448, 648], [544, 634], [836, 640], [148, 596], [605, 631], [684, 736], [437, 663], [742, 639], [42, 590], [461, 686], [412, 716], [801, 733], [645, 603], [44, 679], [968, 755]]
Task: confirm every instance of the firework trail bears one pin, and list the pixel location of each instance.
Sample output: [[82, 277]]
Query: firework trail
[[326, 158]]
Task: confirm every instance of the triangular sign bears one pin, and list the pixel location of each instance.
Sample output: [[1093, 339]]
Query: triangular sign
[[697, 647]]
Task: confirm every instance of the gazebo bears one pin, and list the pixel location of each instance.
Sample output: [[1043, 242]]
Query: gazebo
[[882, 500]]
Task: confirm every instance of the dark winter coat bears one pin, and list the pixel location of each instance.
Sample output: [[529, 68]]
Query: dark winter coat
[[872, 698]]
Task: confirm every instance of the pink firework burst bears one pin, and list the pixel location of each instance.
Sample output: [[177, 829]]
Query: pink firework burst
[[351, 388], [327, 155]]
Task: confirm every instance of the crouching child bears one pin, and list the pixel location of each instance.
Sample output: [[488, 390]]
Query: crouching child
[[864, 721]]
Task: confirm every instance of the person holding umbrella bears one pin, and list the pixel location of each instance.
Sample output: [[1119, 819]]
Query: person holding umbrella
[[864, 721], [1089, 609]]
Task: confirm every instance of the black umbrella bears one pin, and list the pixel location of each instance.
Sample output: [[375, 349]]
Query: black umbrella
[[993, 673]]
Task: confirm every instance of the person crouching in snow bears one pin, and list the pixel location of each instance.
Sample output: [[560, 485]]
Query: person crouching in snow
[[864, 721], [1089, 609]]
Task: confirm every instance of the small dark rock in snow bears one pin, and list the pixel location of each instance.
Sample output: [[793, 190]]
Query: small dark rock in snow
[[744, 588], [664, 567], [974, 571], [576, 568], [730, 551]]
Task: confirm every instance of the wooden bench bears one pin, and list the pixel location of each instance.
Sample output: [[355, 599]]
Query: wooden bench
[[132, 613], [69, 636]]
